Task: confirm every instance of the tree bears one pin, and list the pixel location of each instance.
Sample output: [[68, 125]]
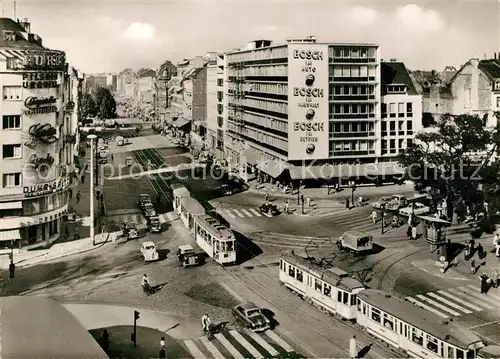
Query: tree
[[454, 162], [87, 106], [105, 103]]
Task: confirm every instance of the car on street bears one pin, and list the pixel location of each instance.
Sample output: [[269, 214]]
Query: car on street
[[149, 210], [143, 199], [154, 225], [226, 189], [416, 208], [381, 202], [149, 252], [252, 317], [130, 230], [269, 208]]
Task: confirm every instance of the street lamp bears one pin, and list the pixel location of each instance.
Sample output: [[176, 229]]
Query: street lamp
[[92, 138], [298, 192], [382, 219]]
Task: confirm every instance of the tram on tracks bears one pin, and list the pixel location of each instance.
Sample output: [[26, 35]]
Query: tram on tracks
[[332, 290], [216, 240], [395, 321]]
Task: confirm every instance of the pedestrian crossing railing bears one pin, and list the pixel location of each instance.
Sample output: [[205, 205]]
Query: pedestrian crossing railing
[[238, 345], [455, 302]]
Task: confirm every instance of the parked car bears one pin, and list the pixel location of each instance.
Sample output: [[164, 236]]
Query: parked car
[[154, 225], [226, 189], [416, 208], [269, 208], [130, 230], [381, 202], [149, 210], [252, 317], [149, 252], [143, 199]]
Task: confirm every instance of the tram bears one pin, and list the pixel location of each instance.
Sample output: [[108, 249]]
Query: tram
[[332, 290], [189, 210], [215, 239], [412, 329], [178, 193]]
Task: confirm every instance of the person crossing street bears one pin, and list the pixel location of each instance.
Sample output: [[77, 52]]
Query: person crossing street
[[205, 323]]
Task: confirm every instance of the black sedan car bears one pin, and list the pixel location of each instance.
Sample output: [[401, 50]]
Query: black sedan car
[[252, 317], [143, 199], [269, 208]]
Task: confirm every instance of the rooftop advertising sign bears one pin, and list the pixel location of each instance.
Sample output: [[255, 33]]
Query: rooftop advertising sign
[[307, 101]]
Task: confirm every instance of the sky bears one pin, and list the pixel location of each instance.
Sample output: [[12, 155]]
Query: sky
[[111, 35]]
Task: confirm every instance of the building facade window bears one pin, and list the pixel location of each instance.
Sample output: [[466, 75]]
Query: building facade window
[[11, 180], [392, 110], [401, 109], [11, 122], [384, 110], [12, 93], [409, 109], [12, 151]]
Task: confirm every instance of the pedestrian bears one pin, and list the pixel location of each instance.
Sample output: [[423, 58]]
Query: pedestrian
[[112, 158], [473, 266], [163, 348], [496, 243], [105, 340], [353, 350], [267, 196], [337, 187], [308, 201], [78, 196], [113, 238], [408, 231], [480, 251], [496, 278], [414, 232], [83, 178], [286, 207], [12, 269], [360, 201], [302, 198], [374, 216], [484, 283]]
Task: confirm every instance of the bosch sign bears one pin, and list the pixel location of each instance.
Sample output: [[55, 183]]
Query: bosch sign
[[309, 126], [308, 92], [308, 55]]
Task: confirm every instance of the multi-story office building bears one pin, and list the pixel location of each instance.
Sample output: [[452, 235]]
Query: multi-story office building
[[93, 82], [39, 100], [300, 105], [215, 108], [166, 72], [126, 83]]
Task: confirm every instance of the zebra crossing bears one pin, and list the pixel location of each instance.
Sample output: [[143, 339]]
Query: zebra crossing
[[238, 344], [139, 219], [455, 302], [242, 213]]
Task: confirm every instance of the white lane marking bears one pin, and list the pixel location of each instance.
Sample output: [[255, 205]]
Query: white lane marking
[[489, 294], [249, 347], [232, 350], [461, 301], [451, 304], [279, 341], [257, 214], [247, 213], [162, 219], [238, 213], [211, 348], [267, 214], [230, 214], [478, 301], [425, 306], [142, 220], [437, 305], [193, 349], [258, 339], [484, 297]]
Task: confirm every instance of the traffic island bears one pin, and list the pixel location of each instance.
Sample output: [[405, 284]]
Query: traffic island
[[148, 343]]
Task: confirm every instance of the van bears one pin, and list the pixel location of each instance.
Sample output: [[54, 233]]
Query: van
[[119, 141]]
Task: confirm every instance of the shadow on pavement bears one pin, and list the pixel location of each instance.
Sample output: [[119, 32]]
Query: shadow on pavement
[[269, 314], [148, 343], [246, 249]]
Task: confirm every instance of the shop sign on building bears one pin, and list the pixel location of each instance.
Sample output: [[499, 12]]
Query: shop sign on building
[[44, 60], [38, 105], [40, 79], [47, 188], [307, 101]]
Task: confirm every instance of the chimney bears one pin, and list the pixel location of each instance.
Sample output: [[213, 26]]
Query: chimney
[[26, 25]]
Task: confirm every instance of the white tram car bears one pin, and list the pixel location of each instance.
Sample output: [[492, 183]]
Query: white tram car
[[412, 329], [329, 289], [215, 239]]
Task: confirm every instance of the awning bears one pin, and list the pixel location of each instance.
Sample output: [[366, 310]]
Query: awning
[[345, 171], [272, 168], [11, 205], [251, 157], [192, 206], [10, 235], [181, 122]]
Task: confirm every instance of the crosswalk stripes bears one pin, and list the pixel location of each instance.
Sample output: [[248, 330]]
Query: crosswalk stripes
[[242, 213], [238, 344], [458, 301], [141, 220]]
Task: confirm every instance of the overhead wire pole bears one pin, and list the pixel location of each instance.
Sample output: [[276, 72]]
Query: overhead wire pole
[[92, 223]]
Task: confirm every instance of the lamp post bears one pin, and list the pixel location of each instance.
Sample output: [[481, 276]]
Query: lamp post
[[298, 192], [382, 224], [92, 138]]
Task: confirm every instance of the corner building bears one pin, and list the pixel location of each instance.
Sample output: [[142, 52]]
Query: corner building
[[38, 106], [305, 110]]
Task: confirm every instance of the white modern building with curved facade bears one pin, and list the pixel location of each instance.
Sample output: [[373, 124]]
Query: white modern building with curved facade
[[38, 137]]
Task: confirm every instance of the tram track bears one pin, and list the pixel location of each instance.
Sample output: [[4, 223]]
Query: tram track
[[154, 180]]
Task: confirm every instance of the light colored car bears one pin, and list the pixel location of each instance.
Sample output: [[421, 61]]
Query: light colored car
[[252, 317], [414, 208], [149, 252], [382, 202]]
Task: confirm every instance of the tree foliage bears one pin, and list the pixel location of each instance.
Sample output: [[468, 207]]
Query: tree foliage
[[105, 103], [454, 161], [87, 106]]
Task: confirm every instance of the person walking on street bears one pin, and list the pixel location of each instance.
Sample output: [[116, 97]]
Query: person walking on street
[[496, 243], [374, 216], [496, 278], [12, 269], [78, 196], [205, 323], [473, 266], [286, 207], [484, 283], [414, 232], [163, 348], [308, 201], [353, 350]]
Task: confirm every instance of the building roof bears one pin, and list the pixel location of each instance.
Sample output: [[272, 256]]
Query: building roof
[[146, 73], [490, 68], [396, 73], [21, 40], [39, 327], [193, 72]]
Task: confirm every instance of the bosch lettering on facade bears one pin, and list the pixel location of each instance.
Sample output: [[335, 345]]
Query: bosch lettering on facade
[[309, 126], [308, 55], [308, 92]]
